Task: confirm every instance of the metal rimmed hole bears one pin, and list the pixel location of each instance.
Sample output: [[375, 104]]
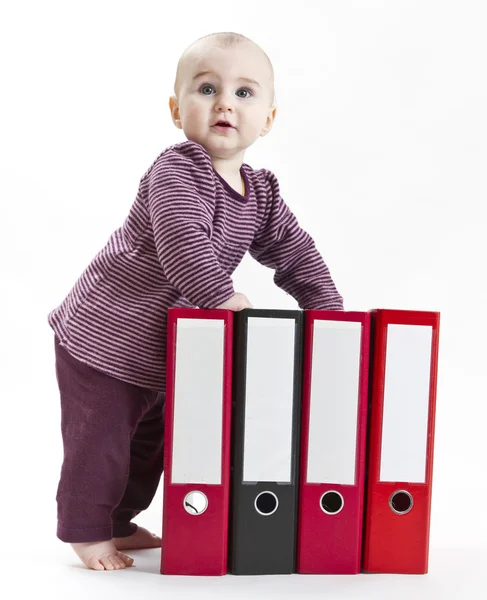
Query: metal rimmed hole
[[401, 502], [195, 503], [266, 503], [331, 502]]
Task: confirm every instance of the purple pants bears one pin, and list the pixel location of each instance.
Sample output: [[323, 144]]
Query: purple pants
[[113, 435]]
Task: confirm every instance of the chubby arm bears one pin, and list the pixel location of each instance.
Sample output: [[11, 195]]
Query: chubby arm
[[281, 244], [182, 221]]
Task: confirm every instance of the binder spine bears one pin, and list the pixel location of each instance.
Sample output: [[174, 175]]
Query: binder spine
[[197, 448], [335, 386], [263, 542], [399, 475]]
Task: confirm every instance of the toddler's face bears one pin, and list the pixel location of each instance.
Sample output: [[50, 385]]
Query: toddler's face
[[212, 88]]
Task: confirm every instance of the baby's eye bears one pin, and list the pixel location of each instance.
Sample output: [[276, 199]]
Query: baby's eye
[[244, 90], [207, 86]]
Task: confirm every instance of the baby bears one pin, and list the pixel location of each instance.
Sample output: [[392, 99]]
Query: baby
[[198, 210]]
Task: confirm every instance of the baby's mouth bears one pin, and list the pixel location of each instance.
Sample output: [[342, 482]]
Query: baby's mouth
[[223, 124]]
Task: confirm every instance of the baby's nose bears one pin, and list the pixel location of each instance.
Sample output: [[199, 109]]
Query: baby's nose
[[225, 102]]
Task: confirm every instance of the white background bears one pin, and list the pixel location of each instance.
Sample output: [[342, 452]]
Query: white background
[[380, 149]]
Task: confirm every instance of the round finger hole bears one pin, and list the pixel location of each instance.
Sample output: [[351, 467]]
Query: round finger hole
[[331, 502], [401, 502], [195, 503], [266, 503]]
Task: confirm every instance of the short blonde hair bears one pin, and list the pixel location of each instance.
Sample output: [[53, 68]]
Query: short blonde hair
[[225, 39]]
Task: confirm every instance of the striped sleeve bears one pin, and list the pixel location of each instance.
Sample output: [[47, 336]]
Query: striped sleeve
[[281, 244], [182, 222]]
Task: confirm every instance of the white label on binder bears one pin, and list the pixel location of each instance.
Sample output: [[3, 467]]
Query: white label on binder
[[269, 400], [198, 402], [334, 402], [406, 403]]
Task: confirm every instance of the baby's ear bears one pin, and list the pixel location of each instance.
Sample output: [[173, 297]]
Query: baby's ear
[[272, 114], [174, 108], [269, 122]]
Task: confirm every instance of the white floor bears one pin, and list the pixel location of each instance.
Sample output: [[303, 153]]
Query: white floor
[[34, 564], [55, 573]]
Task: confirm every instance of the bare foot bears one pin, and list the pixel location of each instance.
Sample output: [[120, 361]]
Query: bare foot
[[140, 539], [102, 556]]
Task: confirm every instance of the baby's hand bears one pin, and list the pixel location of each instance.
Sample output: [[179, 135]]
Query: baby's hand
[[236, 302]]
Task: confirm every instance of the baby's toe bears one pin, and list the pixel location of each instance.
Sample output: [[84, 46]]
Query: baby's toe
[[117, 562], [94, 563], [106, 562], [126, 559]]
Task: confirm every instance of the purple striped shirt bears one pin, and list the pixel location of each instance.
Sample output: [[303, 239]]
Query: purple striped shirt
[[184, 236]]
